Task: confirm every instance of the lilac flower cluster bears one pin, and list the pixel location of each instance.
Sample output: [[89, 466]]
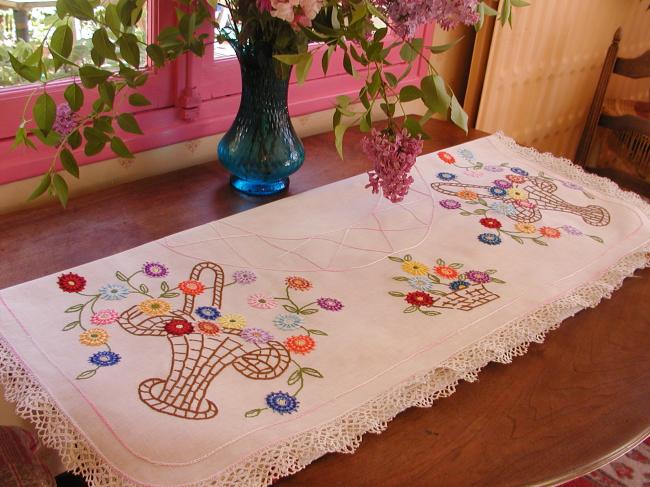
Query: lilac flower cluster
[[393, 157], [65, 121], [408, 16]]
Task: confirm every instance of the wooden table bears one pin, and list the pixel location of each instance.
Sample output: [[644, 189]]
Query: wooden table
[[560, 410]]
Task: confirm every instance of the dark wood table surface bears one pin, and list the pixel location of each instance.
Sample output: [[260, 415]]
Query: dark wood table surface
[[565, 406]]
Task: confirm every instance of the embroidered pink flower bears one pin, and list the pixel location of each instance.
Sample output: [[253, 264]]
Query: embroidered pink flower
[[262, 301], [104, 317], [478, 277], [473, 173], [393, 156], [256, 335], [330, 304], [529, 204]]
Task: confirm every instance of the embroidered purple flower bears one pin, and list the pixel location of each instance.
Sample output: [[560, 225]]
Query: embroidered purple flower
[[489, 238], [393, 156], [459, 285], [496, 191], [244, 277], [450, 204], [502, 183], [520, 171], [288, 322], [65, 121], [104, 359], [446, 176], [571, 185], [474, 173], [208, 312], [282, 402], [155, 269], [329, 304], [478, 277], [255, 335], [492, 168], [571, 230]]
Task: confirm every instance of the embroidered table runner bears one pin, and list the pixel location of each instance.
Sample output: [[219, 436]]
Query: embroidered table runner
[[239, 351]]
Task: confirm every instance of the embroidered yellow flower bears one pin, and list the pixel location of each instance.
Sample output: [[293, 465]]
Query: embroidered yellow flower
[[517, 194], [94, 337], [525, 227], [154, 307], [232, 322], [415, 268]]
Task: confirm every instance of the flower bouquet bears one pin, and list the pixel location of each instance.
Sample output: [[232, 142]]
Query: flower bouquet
[[271, 38]]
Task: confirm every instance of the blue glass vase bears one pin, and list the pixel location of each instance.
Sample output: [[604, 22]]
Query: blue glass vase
[[261, 149]]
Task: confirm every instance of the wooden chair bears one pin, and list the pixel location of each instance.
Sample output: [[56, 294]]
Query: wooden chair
[[631, 131]]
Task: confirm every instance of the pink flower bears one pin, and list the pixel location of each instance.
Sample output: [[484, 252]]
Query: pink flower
[[104, 317], [262, 301], [65, 121], [393, 157]]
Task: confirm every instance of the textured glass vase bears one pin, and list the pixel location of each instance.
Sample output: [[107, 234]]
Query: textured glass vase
[[261, 149]]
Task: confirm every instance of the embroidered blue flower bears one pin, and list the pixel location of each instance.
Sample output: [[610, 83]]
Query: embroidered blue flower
[[503, 208], [288, 322], [104, 359], [466, 153], [520, 171], [490, 238], [496, 191], [459, 285], [421, 283], [282, 402], [208, 312], [113, 292], [446, 176]]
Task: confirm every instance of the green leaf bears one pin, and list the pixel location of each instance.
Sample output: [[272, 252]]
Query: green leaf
[[396, 294], [87, 374], [119, 147], [144, 289], [91, 75], [60, 189], [307, 311], [123, 278], [103, 45], [429, 312], [74, 95], [128, 123], [409, 51], [44, 112], [112, 19], [69, 163], [253, 413], [396, 259], [138, 100], [517, 239], [170, 295], [107, 93], [314, 331], [312, 372], [164, 286], [596, 238], [30, 73], [71, 325], [80, 9], [498, 281], [444, 47], [52, 139], [440, 262], [156, 54], [129, 49], [519, 3], [290, 308], [43, 185], [295, 377], [74, 309], [540, 242], [410, 309], [409, 93], [434, 93], [408, 257], [400, 278], [339, 133], [61, 42], [458, 115]]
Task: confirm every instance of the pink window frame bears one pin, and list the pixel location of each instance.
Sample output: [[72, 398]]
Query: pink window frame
[[187, 102]]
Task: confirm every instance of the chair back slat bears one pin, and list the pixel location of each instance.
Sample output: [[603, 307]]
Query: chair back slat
[[638, 67]]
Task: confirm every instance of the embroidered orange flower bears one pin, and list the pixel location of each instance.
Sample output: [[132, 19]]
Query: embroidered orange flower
[[525, 227], [515, 178], [446, 157], [466, 194], [154, 307], [490, 222], [415, 268], [300, 344], [549, 232], [191, 287], [446, 271], [208, 328], [94, 337], [419, 298], [298, 283]]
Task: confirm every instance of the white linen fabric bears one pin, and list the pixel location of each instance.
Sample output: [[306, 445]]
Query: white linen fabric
[[239, 351]]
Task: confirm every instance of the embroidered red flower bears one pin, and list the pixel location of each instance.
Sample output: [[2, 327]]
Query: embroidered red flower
[[549, 232], [446, 157], [72, 283], [301, 344], [516, 178], [179, 327], [298, 283], [490, 222], [419, 298], [445, 271], [191, 287]]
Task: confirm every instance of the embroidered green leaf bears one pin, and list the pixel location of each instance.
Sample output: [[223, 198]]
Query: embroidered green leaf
[[144, 289], [466, 213], [540, 242], [295, 377], [440, 262], [434, 278], [480, 211], [430, 312], [164, 286], [75, 308], [312, 372], [408, 258], [589, 195], [121, 276], [472, 202], [478, 165], [596, 238], [456, 265], [498, 281], [253, 413], [482, 201], [87, 374], [290, 308], [314, 331], [397, 294], [310, 311], [490, 271], [438, 293], [71, 325], [170, 295], [411, 309], [517, 239], [396, 259], [400, 278]]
